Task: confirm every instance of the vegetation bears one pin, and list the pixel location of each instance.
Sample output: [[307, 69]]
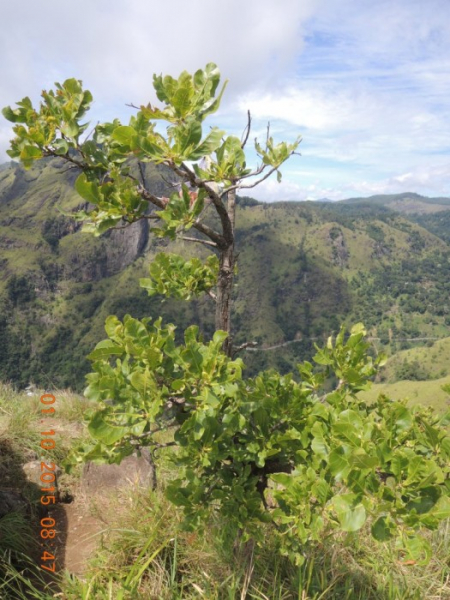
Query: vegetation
[[290, 287], [145, 555], [267, 450]]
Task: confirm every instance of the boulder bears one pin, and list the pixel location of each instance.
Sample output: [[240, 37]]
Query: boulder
[[133, 470], [33, 472]]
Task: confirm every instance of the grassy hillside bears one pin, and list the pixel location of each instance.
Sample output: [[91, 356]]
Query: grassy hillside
[[303, 269], [419, 364], [406, 203], [424, 393], [136, 551]]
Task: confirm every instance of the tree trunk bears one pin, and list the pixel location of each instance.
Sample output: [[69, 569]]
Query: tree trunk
[[223, 299], [225, 281]]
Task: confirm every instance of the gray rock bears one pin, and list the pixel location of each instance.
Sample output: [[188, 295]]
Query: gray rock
[[33, 472], [133, 470]]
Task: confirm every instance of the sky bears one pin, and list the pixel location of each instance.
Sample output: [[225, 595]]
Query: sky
[[366, 84]]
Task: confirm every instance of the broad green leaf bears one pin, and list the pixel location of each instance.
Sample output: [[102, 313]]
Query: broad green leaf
[[87, 189], [107, 433], [441, 509], [15, 116], [350, 517], [382, 529], [105, 349], [339, 463], [124, 134], [142, 381]]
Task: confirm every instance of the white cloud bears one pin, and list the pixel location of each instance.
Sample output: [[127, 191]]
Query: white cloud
[[115, 47], [366, 83]]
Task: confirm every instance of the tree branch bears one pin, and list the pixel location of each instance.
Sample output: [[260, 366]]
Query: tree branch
[[205, 242], [49, 152], [247, 130], [227, 228], [252, 185], [243, 347], [205, 229]]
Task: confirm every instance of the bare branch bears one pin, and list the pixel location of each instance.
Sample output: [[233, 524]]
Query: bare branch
[[243, 347], [49, 152], [122, 226], [252, 185], [212, 295], [152, 216], [91, 132], [246, 130], [69, 168], [205, 242]]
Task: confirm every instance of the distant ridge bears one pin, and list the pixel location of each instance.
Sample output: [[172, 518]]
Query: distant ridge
[[407, 202]]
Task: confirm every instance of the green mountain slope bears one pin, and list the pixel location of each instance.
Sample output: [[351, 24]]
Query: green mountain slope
[[406, 203], [303, 269], [419, 364]]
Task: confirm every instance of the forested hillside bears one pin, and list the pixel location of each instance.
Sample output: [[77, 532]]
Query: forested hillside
[[306, 268]]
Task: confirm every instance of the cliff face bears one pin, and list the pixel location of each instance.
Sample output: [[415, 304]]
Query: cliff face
[[125, 245], [32, 223]]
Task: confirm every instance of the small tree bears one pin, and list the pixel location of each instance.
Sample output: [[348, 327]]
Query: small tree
[[267, 449]]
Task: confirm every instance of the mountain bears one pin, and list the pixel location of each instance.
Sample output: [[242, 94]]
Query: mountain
[[304, 267], [406, 203]]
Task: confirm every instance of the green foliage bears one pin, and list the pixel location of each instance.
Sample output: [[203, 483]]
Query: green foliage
[[270, 449], [172, 276], [20, 290], [305, 458], [56, 124]]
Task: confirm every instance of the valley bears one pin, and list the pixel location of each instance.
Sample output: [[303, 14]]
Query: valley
[[304, 268]]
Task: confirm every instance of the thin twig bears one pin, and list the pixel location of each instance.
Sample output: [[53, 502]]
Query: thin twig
[[49, 152], [243, 346], [205, 242], [247, 130]]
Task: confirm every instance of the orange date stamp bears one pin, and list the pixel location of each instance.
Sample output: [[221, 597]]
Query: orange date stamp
[[48, 488]]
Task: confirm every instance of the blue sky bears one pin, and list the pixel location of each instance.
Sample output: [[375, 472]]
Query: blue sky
[[367, 84]]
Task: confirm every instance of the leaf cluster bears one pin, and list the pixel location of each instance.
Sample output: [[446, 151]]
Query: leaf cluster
[[272, 449], [175, 277]]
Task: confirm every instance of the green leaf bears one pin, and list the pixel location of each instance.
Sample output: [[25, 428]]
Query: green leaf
[[339, 463], [382, 529], [30, 153], [124, 135], [61, 146], [350, 517], [142, 381], [107, 433], [87, 189], [441, 509], [105, 349], [209, 145], [13, 115], [361, 460]]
